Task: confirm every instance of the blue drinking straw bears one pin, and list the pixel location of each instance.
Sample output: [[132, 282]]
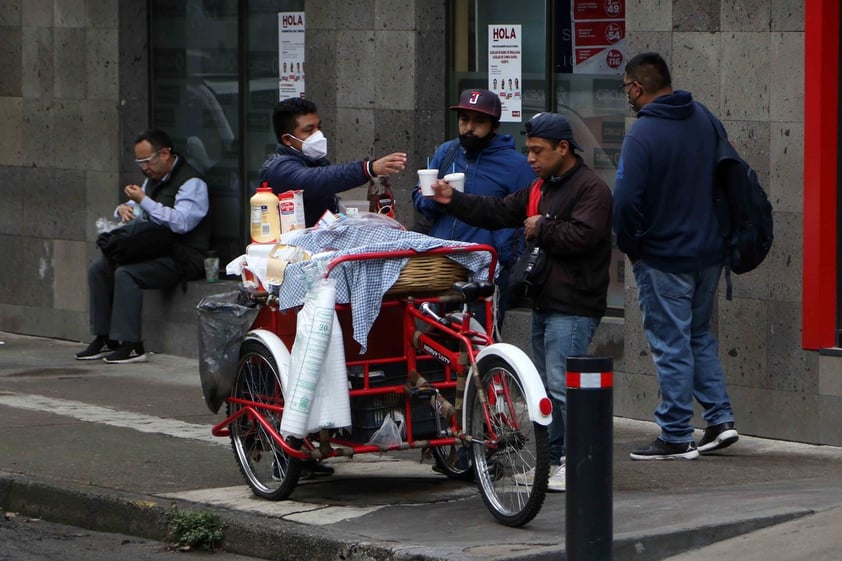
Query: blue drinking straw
[[428, 162], [453, 168]]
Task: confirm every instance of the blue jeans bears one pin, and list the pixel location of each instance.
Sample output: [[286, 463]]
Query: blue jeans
[[554, 338], [677, 309]]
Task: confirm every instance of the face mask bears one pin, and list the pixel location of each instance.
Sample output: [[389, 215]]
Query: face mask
[[315, 146], [631, 104]]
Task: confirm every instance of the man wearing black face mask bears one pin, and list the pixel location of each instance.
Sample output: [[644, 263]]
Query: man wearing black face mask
[[300, 161], [492, 167]]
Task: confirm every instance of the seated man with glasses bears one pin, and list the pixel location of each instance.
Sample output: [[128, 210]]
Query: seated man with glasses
[[173, 195]]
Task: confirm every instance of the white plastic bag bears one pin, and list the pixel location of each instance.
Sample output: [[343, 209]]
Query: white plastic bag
[[317, 393], [391, 431], [331, 404]]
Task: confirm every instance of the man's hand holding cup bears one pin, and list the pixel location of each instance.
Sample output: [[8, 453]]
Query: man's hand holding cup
[[442, 192]]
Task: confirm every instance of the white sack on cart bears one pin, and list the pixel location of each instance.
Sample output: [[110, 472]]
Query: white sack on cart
[[317, 395], [332, 406]]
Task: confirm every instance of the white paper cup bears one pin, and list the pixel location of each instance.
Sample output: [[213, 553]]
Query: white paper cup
[[426, 179], [456, 180]]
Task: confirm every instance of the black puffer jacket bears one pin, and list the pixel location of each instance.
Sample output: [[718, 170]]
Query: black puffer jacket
[[575, 231]]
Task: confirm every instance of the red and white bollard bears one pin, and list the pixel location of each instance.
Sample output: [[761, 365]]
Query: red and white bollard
[[589, 437]]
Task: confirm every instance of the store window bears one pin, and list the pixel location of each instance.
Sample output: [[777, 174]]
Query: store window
[[568, 57], [214, 84]]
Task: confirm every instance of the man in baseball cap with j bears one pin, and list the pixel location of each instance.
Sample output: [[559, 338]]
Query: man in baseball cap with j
[[567, 213], [492, 166]]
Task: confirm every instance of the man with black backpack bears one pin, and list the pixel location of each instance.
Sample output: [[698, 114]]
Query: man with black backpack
[[666, 223]]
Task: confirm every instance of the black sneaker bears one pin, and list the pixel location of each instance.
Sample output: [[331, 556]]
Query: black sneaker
[[98, 348], [660, 450], [126, 353], [315, 469], [718, 437], [278, 464]]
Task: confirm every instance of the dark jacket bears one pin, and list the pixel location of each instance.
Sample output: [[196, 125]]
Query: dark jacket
[[320, 180], [663, 198], [575, 231], [190, 248], [498, 170]]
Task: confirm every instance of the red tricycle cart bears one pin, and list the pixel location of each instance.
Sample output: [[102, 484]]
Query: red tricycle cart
[[479, 406]]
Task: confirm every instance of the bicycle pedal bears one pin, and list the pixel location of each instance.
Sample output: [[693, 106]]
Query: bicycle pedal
[[422, 392]]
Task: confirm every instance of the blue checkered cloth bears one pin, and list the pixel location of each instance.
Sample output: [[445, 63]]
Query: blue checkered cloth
[[363, 283]]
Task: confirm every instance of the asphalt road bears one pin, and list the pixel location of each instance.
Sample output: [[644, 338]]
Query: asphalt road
[[32, 539]]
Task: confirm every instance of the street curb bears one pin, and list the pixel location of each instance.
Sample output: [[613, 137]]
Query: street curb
[[658, 546], [145, 516]]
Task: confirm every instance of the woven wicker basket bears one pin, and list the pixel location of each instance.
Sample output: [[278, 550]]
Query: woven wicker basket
[[428, 273]]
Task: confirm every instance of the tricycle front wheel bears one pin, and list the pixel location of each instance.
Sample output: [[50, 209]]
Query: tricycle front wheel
[[269, 471], [510, 451]]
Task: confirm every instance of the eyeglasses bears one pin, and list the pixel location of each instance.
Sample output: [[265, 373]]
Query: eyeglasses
[[150, 160], [625, 84]]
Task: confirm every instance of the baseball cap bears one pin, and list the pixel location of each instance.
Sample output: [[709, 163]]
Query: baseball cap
[[482, 101], [550, 126]]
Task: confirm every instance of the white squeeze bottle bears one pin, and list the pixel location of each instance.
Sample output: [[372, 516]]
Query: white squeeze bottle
[[265, 218]]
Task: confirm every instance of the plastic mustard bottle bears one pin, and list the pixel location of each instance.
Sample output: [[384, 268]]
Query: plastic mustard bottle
[[265, 218]]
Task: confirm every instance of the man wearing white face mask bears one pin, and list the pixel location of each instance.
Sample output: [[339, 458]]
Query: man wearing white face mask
[[300, 161]]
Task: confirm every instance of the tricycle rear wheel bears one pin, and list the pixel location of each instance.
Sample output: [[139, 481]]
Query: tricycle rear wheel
[[269, 471], [455, 461]]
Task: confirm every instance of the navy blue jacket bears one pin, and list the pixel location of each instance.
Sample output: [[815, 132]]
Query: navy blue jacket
[[663, 196], [320, 180], [496, 171]]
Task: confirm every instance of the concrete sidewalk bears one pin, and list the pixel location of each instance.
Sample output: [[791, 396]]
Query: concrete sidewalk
[[114, 447]]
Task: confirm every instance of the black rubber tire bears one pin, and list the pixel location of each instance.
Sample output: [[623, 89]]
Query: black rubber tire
[[268, 470], [448, 461], [512, 467]]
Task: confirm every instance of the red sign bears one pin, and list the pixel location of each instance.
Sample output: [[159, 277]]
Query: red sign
[[592, 33], [614, 58], [599, 9], [584, 54]]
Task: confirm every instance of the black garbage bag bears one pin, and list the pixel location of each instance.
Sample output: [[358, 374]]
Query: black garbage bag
[[224, 320]]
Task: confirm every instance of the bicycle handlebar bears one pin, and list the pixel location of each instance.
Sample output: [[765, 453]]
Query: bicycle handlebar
[[402, 253]]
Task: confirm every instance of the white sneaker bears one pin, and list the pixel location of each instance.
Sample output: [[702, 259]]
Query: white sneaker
[[558, 479], [525, 478]]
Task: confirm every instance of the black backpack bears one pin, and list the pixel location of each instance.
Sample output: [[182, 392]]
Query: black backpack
[[742, 209]]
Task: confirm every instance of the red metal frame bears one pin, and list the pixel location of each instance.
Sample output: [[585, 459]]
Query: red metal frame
[[432, 345], [821, 110]]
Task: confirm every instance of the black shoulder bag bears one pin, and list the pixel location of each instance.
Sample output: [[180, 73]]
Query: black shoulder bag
[[530, 271], [135, 241]]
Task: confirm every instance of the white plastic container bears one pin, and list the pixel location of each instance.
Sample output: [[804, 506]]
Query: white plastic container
[[265, 218]]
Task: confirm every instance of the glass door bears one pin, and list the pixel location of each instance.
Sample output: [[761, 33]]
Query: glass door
[[214, 83]]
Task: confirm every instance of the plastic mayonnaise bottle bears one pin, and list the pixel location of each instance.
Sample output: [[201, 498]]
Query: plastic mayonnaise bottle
[[265, 218]]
